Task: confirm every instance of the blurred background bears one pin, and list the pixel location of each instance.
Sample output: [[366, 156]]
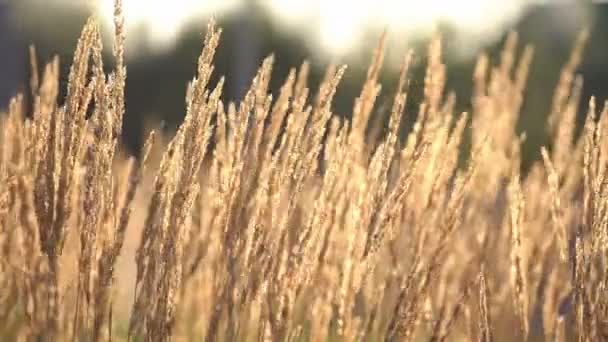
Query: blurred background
[[165, 36]]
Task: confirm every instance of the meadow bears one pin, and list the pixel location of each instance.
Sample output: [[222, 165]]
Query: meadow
[[274, 219]]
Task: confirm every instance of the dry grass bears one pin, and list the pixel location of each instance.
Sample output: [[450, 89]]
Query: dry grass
[[274, 219]]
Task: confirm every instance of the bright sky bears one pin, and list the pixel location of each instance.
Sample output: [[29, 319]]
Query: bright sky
[[338, 26], [162, 20], [342, 23]]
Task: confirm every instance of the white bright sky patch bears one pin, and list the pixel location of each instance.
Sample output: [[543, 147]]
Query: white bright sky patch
[[337, 26], [162, 20]]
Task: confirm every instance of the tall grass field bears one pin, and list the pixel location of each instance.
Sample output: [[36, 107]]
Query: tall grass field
[[274, 219]]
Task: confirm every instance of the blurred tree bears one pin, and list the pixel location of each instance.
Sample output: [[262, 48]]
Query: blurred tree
[[157, 79], [11, 60]]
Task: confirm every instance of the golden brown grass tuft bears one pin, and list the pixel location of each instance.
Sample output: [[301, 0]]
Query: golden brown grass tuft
[[273, 219]]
